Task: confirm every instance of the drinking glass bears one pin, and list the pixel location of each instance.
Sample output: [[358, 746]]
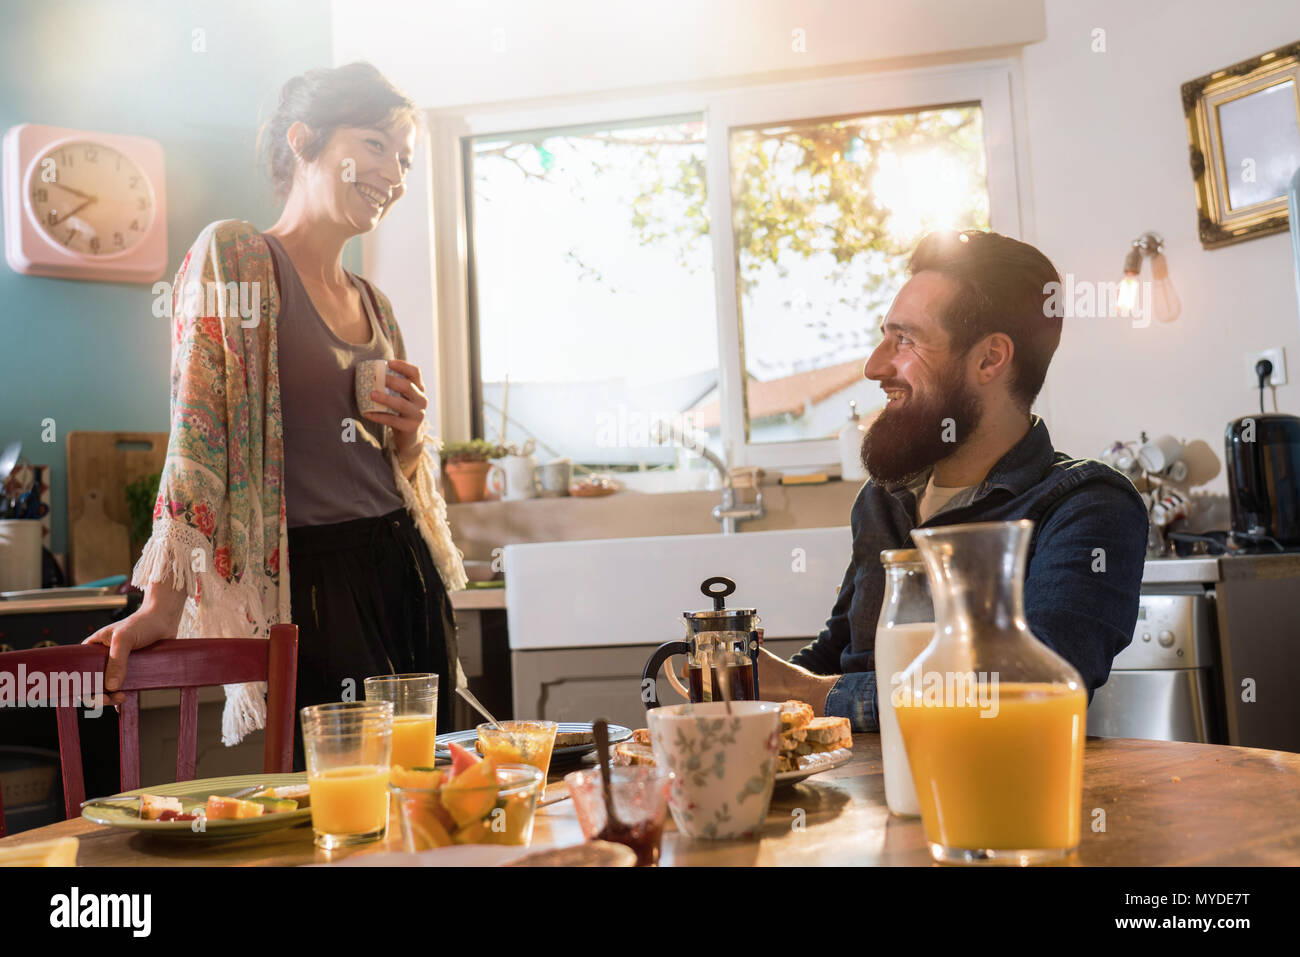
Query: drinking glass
[[640, 796], [496, 811], [519, 742], [348, 746], [415, 715]]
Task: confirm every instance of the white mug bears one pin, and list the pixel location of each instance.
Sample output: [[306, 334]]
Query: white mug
[[724, 765], [1158, 454], [513, 477]]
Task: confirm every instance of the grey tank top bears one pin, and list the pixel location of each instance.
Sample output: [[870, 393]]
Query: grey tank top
[[328, 479]]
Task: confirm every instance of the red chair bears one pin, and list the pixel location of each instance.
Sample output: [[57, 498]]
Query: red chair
[[187, 664]]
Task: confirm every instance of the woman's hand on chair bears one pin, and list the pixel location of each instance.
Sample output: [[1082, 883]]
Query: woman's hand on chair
[[154, 620]]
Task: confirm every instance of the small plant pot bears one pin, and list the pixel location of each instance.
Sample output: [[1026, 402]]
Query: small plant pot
[[468, 480]]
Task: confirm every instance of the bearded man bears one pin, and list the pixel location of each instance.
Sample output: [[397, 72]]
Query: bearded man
[[965, 348]]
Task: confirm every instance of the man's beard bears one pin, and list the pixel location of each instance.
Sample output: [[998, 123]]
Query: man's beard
[[903, 441]]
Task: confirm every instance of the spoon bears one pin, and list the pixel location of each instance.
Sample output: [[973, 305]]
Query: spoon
[[477, 706], [723, 681], [601, 729]]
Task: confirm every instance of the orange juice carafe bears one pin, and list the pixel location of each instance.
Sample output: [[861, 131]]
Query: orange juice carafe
[[992, 719]]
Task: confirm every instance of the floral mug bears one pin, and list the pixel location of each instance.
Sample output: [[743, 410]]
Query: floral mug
[[724, 764]]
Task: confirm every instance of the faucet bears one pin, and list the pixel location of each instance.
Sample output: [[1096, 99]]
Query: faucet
[[728, 513]]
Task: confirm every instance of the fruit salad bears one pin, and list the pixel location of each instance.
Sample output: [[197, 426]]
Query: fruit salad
[[476, 801]]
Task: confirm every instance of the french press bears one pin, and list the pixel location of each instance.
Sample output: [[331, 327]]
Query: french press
[[721, 644]]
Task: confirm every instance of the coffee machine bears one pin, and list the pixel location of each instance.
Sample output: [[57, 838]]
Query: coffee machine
[[1262, 453]]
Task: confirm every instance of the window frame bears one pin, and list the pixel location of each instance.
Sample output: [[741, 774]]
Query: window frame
[[994, 84]]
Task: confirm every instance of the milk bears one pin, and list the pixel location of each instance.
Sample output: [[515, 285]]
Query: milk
[[896, 648]]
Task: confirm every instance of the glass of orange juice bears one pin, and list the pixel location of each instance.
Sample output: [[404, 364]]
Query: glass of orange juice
[[415, 715], [519, 742], [348, 746]]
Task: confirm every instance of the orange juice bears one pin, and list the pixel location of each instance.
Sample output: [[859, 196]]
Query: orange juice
[[1013, 781], [520, 742], [413, 740], [350, 800]]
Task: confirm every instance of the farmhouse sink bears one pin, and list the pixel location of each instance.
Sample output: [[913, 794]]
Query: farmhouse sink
[[632, 591]]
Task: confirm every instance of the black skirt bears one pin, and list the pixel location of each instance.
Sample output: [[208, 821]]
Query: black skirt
[[367, 600]]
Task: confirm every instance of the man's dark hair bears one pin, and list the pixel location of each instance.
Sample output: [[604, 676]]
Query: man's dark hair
[[1004, 287]]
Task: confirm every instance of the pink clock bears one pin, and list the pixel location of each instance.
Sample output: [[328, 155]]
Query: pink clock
[[80, 205]]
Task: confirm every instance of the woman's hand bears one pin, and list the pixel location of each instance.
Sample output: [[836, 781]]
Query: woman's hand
[[154, 620], [407, 417]]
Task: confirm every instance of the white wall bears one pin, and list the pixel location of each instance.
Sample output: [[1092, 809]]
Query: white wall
[[460, 52], [1108, 161]]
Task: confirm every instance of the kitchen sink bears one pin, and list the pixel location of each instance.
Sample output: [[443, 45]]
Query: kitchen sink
[[632, 591]]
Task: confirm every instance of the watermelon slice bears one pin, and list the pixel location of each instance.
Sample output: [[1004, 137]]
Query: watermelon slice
[[461, 760]]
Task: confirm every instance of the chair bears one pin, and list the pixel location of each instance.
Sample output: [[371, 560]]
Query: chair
[[186, 664]]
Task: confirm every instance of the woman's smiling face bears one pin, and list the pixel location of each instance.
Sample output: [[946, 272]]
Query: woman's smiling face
[[358, 176]]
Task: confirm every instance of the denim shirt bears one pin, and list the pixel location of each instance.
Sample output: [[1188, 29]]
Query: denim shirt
[[1083, 613]]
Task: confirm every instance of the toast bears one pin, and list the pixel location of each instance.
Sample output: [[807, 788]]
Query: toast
[[628, 753], [795, 715], [829, 733]]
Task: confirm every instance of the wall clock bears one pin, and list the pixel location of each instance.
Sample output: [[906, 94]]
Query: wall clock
[[82, 205]]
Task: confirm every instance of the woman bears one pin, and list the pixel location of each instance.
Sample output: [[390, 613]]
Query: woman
[[270, 465]]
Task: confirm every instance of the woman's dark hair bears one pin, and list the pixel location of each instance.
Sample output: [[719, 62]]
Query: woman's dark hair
[[1005, 286], [325, 99]]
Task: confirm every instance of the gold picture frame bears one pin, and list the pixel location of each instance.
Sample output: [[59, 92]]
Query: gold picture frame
[[1241, 184]]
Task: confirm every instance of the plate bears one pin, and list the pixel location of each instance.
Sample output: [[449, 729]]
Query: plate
[[125, 815], [821, 761], [467, 738], [462, 855]]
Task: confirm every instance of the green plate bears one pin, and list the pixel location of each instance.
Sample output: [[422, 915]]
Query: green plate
[[194, 794]]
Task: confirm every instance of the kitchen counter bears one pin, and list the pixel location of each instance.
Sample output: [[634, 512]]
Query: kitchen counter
[[1145, 803]]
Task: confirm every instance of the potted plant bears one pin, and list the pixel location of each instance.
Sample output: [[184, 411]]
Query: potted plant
[[467, 465]]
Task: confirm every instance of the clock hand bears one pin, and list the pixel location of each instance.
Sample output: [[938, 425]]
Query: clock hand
[[74, 192], [74, 211]]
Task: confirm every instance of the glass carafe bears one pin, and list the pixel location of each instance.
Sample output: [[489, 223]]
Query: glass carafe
[[993, 720], [905, 628]]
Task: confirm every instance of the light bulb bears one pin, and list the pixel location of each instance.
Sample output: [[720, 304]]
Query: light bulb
[[1164, 300], [1128, 293]]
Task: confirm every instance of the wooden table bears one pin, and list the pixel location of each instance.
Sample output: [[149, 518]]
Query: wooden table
[[1164, 804]]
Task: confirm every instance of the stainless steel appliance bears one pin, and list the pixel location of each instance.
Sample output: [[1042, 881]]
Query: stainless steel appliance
[[1164, 685], [1215, 655]]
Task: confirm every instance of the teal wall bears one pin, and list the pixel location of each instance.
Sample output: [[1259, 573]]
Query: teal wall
[[91, 355]]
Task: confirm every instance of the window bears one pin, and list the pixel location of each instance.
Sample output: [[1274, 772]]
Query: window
[[593, 287], [603, 296], [825, 215]]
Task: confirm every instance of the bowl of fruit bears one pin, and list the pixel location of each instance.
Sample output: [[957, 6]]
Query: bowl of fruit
[[475, 801]]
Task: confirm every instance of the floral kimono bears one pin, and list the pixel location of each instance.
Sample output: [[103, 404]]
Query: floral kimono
[[219, 528]]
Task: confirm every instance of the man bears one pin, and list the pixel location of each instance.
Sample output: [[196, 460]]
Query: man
[[965, 349]]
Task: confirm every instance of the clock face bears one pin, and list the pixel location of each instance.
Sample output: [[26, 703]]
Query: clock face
[[91, 199]]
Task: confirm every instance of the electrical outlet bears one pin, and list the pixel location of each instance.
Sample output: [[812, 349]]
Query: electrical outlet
[[1276, 356]]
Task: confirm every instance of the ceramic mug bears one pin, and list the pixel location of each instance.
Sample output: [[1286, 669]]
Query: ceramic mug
[[371, 376], [555, 477], [724, 764], [513, 477]]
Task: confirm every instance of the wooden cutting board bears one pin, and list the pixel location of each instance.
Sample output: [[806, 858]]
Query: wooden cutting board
[[100, 546], [104, 463]]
